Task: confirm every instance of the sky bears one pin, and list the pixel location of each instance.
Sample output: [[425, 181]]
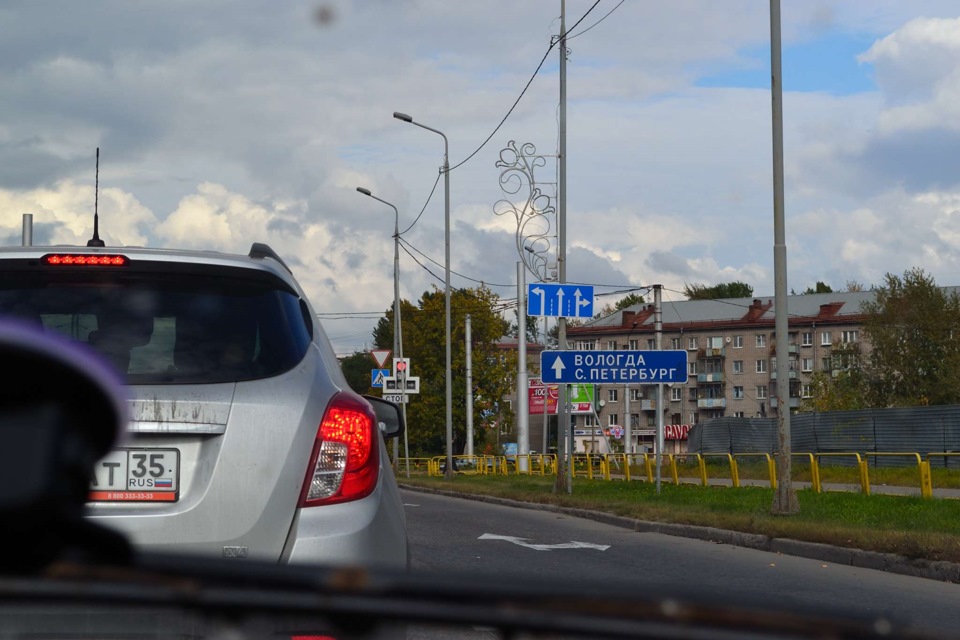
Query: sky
[[226, 122]]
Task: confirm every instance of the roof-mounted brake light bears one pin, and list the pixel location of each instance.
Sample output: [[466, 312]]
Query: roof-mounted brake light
[[85, 260]]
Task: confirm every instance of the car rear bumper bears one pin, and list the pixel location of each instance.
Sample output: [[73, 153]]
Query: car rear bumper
[[369, 532]]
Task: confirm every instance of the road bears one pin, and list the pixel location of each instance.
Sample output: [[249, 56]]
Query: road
[[452, 534]]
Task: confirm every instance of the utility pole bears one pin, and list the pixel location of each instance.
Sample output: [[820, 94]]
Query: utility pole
[[658, 329], [469, 351], [784, 498], [564, 430], [523, 409]]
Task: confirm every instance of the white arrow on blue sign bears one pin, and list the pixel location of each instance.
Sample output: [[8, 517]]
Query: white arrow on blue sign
[[609, 367], [560, 300]]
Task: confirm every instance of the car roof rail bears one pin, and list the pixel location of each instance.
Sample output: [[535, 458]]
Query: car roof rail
[[261, 250]]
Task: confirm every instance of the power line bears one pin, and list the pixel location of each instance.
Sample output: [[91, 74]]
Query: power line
[[595, 23], [527, 86], [483, 282], [429, 197]]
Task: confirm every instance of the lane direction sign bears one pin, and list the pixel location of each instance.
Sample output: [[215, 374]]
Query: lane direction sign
[[560, 300], [614, 367]]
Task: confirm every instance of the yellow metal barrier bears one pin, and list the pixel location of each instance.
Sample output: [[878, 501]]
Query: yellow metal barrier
[[771, 465], [734, 478], [814, 471], [926, 484], [861, 465]]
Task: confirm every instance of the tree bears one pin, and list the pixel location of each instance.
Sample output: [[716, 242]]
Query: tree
[[843, 388], [914, 331], [853, 286], [735, 289], [493, 369], [820, 288], [356, 368], [383, 331]]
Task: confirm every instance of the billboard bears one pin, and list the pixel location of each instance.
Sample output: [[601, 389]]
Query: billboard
[[541, 395]]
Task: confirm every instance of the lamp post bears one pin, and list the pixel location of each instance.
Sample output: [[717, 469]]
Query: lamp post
[[446, 282], [397, 335]]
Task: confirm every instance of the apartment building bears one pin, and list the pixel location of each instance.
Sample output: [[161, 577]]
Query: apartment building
[[731, 359]]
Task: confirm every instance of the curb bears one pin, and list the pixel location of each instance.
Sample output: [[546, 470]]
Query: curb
[[892, 563]]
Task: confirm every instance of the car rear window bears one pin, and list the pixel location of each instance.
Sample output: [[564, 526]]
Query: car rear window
[[167, 324]]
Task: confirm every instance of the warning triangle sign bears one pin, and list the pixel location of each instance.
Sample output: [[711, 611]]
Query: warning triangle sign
[[380, 356]]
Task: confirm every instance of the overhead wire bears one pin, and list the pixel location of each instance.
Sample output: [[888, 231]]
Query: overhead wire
[[424, 208], [524, 91], [595, 23]]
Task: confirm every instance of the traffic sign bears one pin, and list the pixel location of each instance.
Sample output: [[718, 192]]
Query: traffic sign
[[409, 384], [380, 356], [377, 376], [609, 367], [398, 398], [560, 300]]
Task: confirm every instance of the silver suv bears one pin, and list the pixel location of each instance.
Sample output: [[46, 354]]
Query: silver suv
[[244, 439]]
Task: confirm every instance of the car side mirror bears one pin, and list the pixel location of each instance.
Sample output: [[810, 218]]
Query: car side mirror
[[388, 415]]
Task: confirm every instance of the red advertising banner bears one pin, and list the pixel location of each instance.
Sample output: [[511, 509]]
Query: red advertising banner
[[541, 395], [675, 431]]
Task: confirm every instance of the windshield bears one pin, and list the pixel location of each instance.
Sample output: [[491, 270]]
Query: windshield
[[661, 296], [199, 326]]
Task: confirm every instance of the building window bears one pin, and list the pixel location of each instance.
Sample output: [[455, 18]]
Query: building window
[[738, 414], [633, 346], [613, 419], [586, 345], [636, 394], [761, 366], [761, 393], [806, 391], [693, 394], [849, 336], [651, 343], [825, 339], [611, 344], [674, 342], [738, 342], [807, 364], [761, 340], [826, 364], [692, 343], [676, 394], [589, 420], [611, 394], [738, 393], [691, 367], [806, 339], [715, 342], [738, 366]]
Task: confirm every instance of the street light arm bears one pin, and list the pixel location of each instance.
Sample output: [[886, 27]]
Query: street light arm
[[366, 192]]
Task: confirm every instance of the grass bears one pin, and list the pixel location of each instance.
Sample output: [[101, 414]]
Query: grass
[[914, 527]]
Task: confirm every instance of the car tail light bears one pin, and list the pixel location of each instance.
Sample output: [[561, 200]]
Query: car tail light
[[85, 260], [345, 462]]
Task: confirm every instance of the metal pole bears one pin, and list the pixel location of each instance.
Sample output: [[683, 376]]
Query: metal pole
[[27, 230], [546, 398], [784, 498], [658, 328], [627, 430], [469, 350], [446, 283], [523, 408], [564, 426]]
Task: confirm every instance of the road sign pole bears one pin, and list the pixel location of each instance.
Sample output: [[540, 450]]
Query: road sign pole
[[658, 329], [523, 413]]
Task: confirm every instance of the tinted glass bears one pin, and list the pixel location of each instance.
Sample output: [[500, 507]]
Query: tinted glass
[[162, 327]]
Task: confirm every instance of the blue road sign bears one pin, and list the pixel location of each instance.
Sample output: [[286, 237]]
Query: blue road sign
[[610, 367], [377, 376], [560, 300]]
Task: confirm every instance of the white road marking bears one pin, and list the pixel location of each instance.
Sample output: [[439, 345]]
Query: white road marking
[[544, 547]]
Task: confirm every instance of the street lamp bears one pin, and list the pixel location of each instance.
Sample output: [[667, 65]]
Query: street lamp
[[446, 272], [397, 335]]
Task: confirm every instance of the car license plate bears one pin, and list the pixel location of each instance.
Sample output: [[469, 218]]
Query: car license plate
[[137, 475]]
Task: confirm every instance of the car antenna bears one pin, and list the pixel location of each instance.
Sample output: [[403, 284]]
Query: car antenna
[[95, 241]]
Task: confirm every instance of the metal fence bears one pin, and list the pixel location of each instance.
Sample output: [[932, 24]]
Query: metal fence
[[923, 430]]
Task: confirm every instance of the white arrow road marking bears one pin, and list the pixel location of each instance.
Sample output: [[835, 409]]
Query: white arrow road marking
[[545, 547]]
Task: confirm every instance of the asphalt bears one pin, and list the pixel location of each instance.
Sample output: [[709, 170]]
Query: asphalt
[[893, 563]]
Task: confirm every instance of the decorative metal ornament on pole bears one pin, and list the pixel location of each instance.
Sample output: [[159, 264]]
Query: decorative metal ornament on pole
[[450, 471]]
